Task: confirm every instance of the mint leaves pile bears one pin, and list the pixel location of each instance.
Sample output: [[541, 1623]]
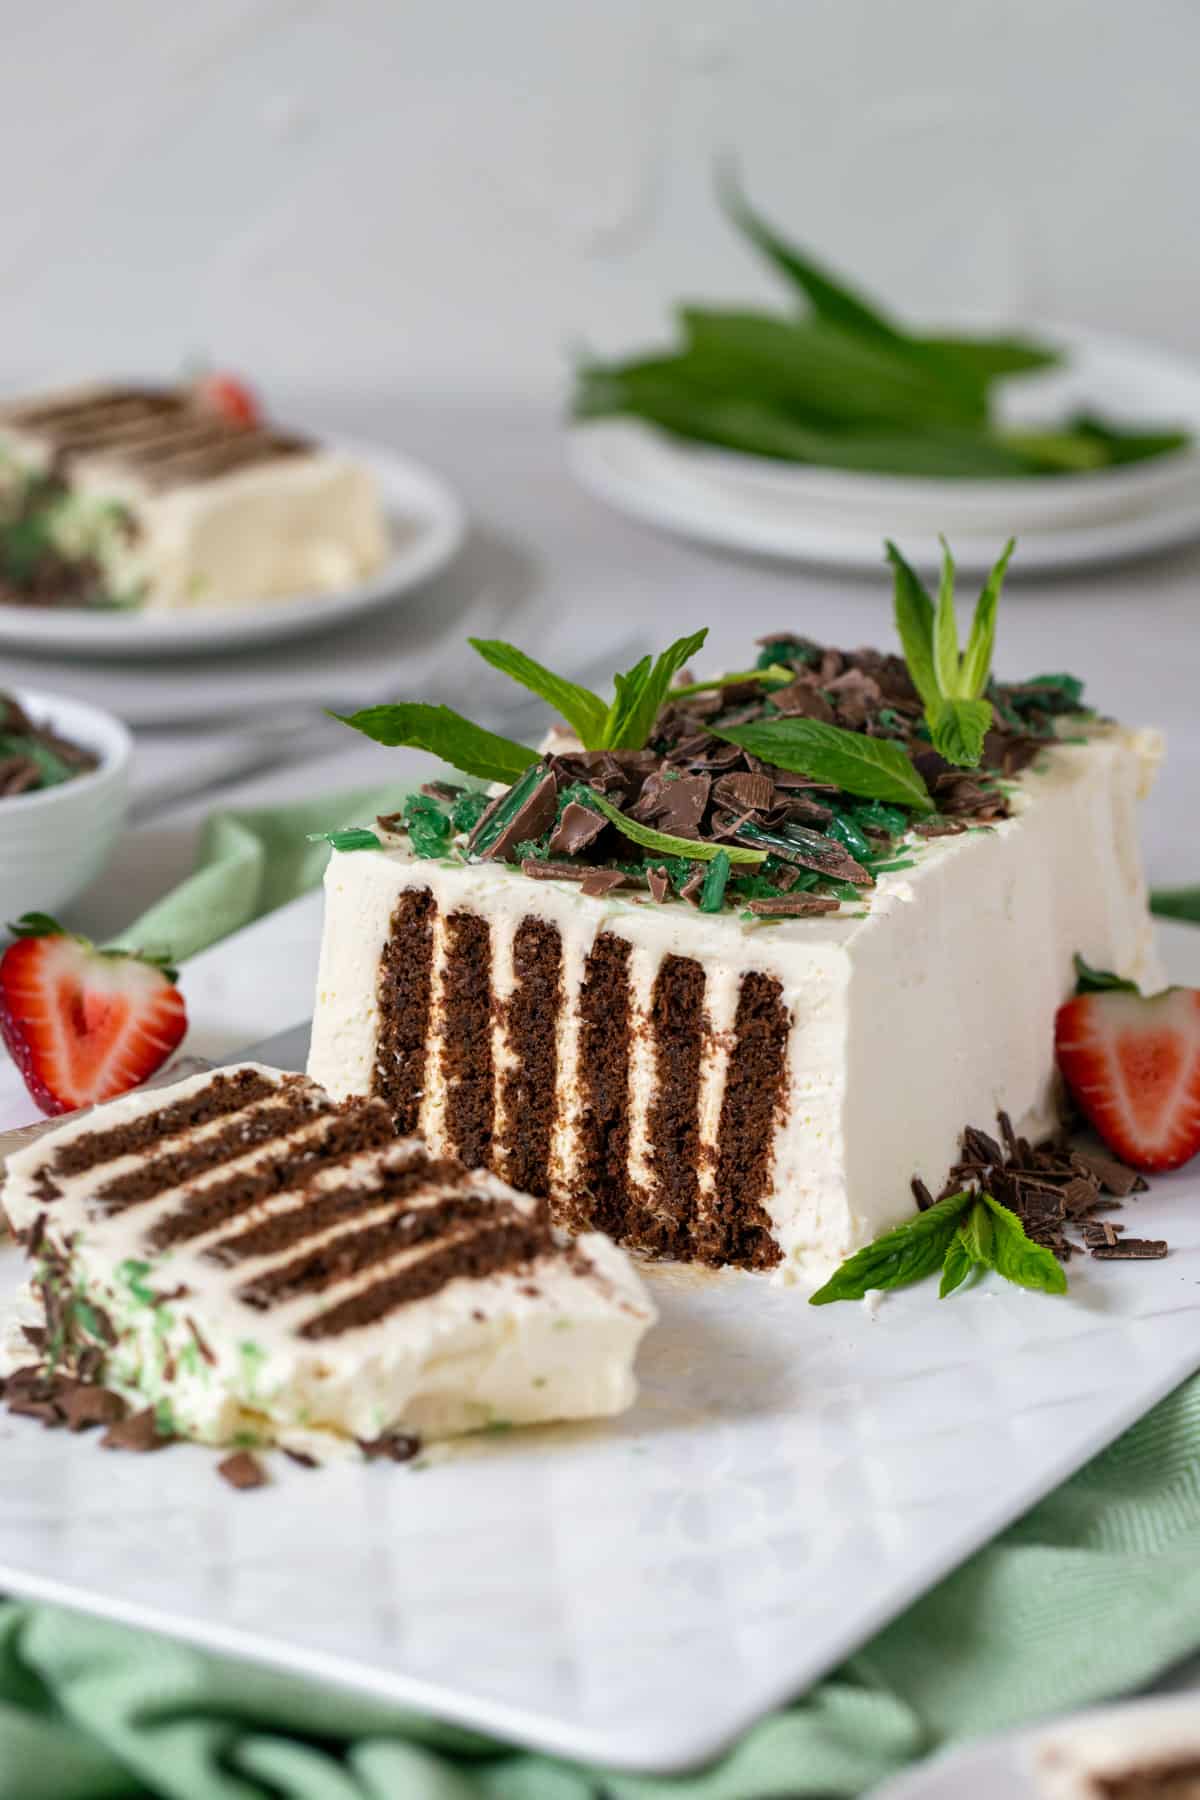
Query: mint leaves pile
[[780, 790], [839, 382]]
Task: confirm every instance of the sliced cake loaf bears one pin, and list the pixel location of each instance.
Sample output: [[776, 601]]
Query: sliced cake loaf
[[256, 1261]]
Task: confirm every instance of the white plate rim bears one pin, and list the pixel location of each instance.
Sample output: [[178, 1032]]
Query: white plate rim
[[436, 510]]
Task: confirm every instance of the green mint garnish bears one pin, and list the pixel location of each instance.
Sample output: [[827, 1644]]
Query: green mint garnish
[[956, 1235], [1100, 981], [696, 849], [624, 723], [712, 894], [428, 824], [873, 768], [353, 837], [133, 1274], [507, 810], [951, 686], [468, 809], [445, 733], [771, 674]]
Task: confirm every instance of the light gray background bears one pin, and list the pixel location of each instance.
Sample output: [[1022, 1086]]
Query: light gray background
[[398, 194]]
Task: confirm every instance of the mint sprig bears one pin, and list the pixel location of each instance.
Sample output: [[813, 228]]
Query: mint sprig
[[625, 722], [951, 685], [445, 733], [957, 1235], [583, 711], [665, 843], [873, 768]]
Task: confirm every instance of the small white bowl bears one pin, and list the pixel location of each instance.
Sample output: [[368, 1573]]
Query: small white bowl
[[54, 841]]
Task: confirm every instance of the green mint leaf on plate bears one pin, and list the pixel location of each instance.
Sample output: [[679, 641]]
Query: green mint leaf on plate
[[1017, 1257], [693, 848], [641, 693], [1100, 981], [873, 768], [445, 733], [583, 711], [353, 837], [958, 728], [908, 1253]]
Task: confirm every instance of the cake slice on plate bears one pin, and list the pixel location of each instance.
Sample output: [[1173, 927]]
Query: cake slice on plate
[[724, 982], [170, 498], [257, 1262]]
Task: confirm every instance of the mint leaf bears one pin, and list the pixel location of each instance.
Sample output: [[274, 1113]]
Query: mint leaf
[[641, 694], [694, 849], [908, 1253], [977, 659], [447, 734], [958, 728], [1100, 981], [914, 625], [977, 1237], [583, 711], [354, 837], [773, 674], [1017, 1257], [956, 1268], [874, 768], [945, 631]]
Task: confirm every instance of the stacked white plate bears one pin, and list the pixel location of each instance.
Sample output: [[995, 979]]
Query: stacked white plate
[[833, 517]]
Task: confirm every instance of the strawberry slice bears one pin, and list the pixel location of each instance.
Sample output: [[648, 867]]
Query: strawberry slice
[[82, 1024], [1132, 1064], [229, 397]]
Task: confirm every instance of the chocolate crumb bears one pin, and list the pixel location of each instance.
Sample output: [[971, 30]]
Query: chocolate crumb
[[139, 1432], [243, 1470], [396, 1446], [301, 1457], [1131, 1250], [793, 906], [86, 1406], [598, 882]]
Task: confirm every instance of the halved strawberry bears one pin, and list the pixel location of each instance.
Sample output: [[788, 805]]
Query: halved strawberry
[[1132, 1065], [82, 1024], [229, 396]]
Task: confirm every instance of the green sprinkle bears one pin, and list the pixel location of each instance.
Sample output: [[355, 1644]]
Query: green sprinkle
[[885, 868], [712, 894], [468, 809], [164, 1419], [846, 832], [354, 837]]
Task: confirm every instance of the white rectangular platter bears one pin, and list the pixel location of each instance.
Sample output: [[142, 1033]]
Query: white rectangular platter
[[638, 1593]]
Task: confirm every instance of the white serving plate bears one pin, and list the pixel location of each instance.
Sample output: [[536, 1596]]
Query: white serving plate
[[633, 1594], [427, 524], [833, 516]]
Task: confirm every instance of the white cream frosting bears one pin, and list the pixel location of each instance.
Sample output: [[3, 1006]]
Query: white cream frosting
[[553, 1340], [926, 1009]]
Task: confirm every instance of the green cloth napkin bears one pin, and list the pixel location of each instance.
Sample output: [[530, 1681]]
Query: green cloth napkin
[[1092, 1594]]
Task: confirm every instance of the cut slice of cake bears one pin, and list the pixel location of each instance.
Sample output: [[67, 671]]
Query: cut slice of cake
[[257, 1262], [727, 1061], [151, 497]]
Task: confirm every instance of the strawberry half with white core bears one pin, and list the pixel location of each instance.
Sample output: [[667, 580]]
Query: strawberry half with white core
[[82, 1024], [229, 397], [1132, 1065]]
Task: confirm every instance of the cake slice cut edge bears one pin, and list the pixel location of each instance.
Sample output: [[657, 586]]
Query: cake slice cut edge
[[260, 1264]]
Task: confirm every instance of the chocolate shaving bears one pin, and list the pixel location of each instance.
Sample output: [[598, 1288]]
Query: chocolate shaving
[[139, 1432], [747, 793], [529, 822], [598, 882], [659, 884], [793, 906], [554, 871], [1131, 1250], [243, 1470], [86, 1406], [395, 1446], [578, 828], [301, 1457]]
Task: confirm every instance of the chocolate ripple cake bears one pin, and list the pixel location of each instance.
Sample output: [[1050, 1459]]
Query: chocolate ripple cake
[[159, 498], [258, 1263], [718, 1060]]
